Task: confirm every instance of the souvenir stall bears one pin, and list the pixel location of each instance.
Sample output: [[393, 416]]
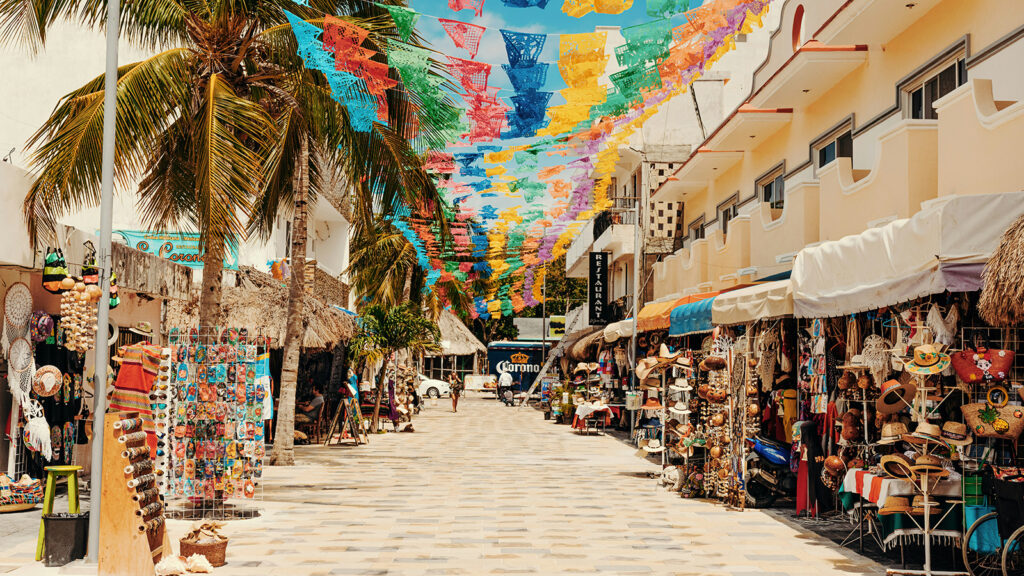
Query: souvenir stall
[[910, 388]]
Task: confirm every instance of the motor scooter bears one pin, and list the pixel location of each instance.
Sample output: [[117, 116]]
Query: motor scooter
[[768, 475]]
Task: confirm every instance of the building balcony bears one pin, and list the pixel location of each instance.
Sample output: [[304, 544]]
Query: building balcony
[[577, 259], [777, 235], [616, 239], [696, 173], [904, 175], [874, 22], [978, 141], [812, 71], [682, 273], [729, 254]]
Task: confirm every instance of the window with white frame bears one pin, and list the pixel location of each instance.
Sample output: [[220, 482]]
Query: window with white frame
[[695, 230], [838, 145], [727, 211], [772, 189], [920, 94]]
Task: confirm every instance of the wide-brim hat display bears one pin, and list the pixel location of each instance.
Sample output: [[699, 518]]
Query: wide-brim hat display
[[957, 434], [897, 466], [927, 464], [893, 432], [652, 404], [142, 329], [581, 367], [926, 433], [895, 505], [680, 407], [47, 381], [593, 366], [895, 396], [644, 367], [927, 360], [918, 505]]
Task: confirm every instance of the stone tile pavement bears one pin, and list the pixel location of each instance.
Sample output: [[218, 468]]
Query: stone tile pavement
[[492, 490]]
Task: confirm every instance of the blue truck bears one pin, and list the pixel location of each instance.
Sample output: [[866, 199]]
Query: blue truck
[[523, 360]]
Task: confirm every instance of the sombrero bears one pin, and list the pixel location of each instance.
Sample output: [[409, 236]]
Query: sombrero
[[665, 356], [652, 404], [927, 464], [644, 367], [680, 408], [926, 433], [654, 446], [681, 385], [892, 432], [897, 466], [895, 396], [927, 360], [47, 381], [918, 506], [581, 367]]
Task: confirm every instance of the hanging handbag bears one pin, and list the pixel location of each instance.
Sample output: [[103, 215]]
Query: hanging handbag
[[982, 364], [55, 270], [994, 418]]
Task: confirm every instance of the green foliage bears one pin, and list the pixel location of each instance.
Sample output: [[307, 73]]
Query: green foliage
[[386, 329]]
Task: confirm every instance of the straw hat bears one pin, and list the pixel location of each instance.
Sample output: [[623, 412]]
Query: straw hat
[[927, 360], [680, 385], [652, 404], [893, 432], [897, 466], [925, 433], [47, 381], [956, 433], [712, 363], [927, 464], [654, 446], [644, 367], [680, 408], [665, 356], [895, 396], [581, 367], [917, 507], [895, 505]]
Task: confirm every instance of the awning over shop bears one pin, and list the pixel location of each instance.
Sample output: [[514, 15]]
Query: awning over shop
[[942, 247], [658, 315], [758, 302], [692, 317], [578, 351], [616, 330]]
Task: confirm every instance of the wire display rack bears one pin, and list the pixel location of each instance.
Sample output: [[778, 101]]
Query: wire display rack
[[213, 423]]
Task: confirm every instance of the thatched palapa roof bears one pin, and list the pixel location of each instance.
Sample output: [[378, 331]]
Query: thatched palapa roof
[[461, 341], [1002, 292], [260, 305]]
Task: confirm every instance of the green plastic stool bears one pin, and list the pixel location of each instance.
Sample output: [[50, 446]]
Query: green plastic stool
[[52, 472]]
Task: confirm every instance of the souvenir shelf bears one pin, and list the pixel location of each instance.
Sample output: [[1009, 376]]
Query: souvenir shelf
[[132, 525]]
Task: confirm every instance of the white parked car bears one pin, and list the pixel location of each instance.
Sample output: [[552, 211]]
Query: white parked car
[[430, 388]]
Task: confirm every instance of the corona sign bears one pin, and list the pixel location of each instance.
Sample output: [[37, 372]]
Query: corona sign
[[522, 360]]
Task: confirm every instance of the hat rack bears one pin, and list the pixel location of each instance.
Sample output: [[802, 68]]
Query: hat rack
[[131, 509]]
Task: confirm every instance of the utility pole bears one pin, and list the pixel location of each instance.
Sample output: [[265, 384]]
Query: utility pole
[[103, 314]]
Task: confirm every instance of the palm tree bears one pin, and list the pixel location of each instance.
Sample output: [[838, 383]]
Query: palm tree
[[384, 330], [211, 124]]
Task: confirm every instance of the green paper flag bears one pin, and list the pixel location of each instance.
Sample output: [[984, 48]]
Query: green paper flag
[[405, 19]]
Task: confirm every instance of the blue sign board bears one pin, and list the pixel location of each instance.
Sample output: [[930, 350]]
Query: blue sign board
[[179, 247], [522, 360]]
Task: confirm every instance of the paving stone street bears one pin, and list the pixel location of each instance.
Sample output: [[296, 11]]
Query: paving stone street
[[492, 490]]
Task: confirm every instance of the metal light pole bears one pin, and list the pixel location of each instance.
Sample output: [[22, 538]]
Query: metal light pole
[[103, 314]]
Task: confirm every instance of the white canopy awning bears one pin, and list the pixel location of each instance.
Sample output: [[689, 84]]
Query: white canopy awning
[[942, 247], [616, 330], [759, 302]]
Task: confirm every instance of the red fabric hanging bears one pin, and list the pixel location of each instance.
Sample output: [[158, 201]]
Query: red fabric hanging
[[472, 75], [464, 35], [338, 33]]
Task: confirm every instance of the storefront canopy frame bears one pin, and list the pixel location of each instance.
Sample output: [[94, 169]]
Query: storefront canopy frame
[[578, 351], [759, 302], [942, 247], [658, 315], [691, 318]]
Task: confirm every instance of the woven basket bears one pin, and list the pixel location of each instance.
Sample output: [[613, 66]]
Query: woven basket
[[1010, 421], [215, 553]]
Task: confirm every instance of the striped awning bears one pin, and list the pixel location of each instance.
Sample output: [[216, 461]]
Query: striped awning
[[691, 318]]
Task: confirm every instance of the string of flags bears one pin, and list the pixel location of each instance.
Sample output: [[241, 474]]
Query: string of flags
[[549, 161]]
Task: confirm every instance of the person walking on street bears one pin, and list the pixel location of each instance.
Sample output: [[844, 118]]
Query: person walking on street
[[457, 387]]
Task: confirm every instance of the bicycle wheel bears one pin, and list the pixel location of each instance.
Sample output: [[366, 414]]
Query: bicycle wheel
[[1013, 554], [982, 555]]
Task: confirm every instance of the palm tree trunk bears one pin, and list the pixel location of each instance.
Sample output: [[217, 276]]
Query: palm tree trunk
[[210, 313], [283, 453], [381, 385], [407, 288]]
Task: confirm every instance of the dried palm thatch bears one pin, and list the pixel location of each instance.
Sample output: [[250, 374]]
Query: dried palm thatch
[[1002, 294], [461, 341], [260, 305]]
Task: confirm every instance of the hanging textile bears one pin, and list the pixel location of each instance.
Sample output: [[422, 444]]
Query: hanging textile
[[467, 164], [527, 79], [477, 6], [525, 3], [645, 43], [405, 19], [523, 48], [580, 8], [665, 8], [464, 35], [472, 75], [341, 34]]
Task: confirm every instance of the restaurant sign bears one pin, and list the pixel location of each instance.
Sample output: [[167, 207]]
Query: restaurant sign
[[598, 293], [179, 247]]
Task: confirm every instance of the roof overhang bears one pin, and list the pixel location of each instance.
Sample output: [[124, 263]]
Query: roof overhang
[[749, 126], [809, 73], [872, 21]]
